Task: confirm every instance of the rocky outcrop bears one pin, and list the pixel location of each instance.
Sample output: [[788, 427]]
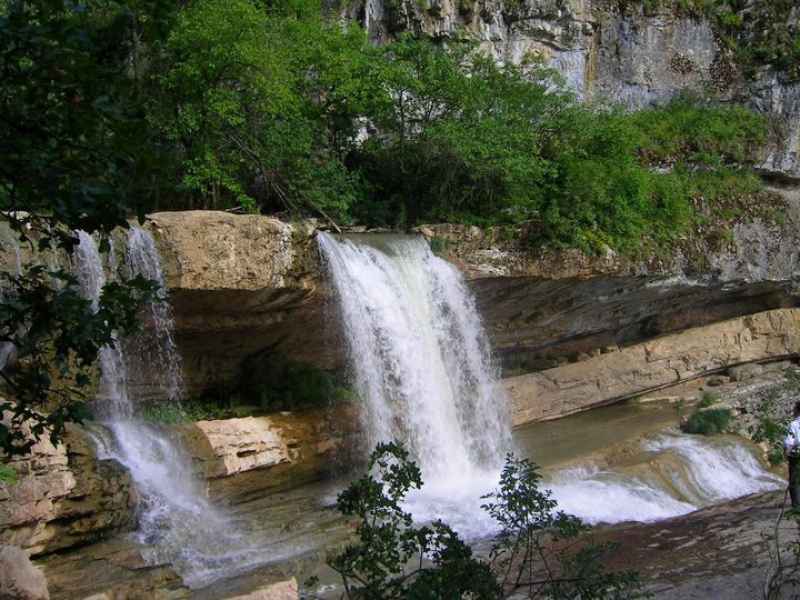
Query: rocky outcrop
[[659, 363], [64, 496], [239, 285], [243, 458], [634, 56], [19, 579]]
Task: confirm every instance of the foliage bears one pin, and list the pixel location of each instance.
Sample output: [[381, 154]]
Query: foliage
[[530, 555], [8, 476], [394, 558], [170, 413], [56, 335], [708, 399], [276, 383], [244, 97], [68, 122], [708, 422]]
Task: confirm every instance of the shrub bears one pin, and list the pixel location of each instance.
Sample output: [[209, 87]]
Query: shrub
[[393, 558], [708, 399], [708, 422]]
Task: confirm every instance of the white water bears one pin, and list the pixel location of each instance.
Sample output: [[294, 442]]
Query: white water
[[153, 354], [419, 356], [684, 473], [421, 366], [177, 524]]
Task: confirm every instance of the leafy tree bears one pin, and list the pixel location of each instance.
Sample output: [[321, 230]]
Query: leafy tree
[[67, 110], [245, 94], [389, 559]]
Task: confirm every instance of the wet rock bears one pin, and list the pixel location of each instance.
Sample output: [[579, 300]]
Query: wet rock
[[19, 579]]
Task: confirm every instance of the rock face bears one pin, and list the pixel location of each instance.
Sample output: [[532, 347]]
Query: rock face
[[239, 285], [243, 458], [253, 286], [542, 309], [659, 363], [635, 57], [19, 579], [64, 496]]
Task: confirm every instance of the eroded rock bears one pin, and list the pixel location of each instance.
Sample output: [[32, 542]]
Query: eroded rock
[[242, 458]]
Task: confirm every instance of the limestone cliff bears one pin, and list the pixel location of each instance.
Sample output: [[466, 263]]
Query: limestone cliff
[[632, 56]]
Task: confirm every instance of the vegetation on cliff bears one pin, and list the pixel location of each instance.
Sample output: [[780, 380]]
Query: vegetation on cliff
[[274, 108], [111, 108]]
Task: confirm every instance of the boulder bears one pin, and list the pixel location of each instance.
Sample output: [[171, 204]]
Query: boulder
[[19, 578], [242, 458]]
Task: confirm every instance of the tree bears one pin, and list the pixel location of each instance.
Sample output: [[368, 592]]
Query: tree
[[68, 117]]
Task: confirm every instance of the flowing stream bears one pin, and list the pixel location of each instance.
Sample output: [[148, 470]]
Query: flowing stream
[[177, 524]]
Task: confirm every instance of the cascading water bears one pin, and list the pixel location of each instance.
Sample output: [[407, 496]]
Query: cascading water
[[153, 356], [176, 523], [421, 364], [419, 355], [683, 473]]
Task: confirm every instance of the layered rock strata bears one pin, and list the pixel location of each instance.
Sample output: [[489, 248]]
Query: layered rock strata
[[243, 458], [659, 363], [64, 496]]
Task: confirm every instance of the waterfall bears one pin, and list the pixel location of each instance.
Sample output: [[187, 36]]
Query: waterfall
[[419, 356], [153, 356], [177, 524]]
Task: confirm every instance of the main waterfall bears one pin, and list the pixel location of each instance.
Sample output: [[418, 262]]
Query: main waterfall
[[421, 364]]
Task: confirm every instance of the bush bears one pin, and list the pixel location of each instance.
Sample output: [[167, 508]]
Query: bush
[[708, 399], [708, 422], [394, 559]]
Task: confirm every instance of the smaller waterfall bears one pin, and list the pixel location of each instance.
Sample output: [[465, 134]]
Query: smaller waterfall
[[177, 524], [153, 355], [682, 474]]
